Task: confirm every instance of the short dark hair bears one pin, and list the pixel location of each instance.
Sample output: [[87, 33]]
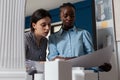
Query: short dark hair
[[67, 4], [37, 15]]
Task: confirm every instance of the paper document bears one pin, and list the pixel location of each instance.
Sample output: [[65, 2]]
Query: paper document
[[34, 65], [39, 66], [94, 59]]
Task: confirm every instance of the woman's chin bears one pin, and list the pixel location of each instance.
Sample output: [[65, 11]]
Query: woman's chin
[[45, 35]]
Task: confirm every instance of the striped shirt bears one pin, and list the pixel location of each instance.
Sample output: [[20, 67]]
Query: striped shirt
[[32, 51]]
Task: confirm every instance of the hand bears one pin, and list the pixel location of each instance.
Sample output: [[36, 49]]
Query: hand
[[106, 67], [63, 58], [58, 57], [42, 61]]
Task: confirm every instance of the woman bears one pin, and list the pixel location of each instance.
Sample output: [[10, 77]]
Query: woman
[[71, 42], [35, 41]]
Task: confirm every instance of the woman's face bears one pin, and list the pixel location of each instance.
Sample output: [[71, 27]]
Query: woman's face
[[67, 16], [42, 26]]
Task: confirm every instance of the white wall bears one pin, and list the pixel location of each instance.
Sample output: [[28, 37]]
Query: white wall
[[117, 18], [117, 30], [115, 61], [12, 57]]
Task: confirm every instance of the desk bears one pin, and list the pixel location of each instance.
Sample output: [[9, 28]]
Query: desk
[[61, 70]]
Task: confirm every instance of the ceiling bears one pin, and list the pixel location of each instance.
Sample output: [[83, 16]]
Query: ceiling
[[32, 5]]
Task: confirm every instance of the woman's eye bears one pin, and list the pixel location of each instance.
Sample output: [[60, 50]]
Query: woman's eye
[[65, 16], [71, 15], [43, 25], [49, 24]]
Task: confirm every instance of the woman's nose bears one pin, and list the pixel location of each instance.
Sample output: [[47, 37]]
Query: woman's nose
[[70, 18], [48, 27]]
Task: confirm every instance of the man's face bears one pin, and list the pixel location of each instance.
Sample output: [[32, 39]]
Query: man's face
[[67, 16]]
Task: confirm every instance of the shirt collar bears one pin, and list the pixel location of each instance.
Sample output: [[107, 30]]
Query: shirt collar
[[72, 29]]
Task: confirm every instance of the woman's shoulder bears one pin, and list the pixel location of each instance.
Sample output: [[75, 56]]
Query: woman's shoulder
[[82, 30], [28, 35]]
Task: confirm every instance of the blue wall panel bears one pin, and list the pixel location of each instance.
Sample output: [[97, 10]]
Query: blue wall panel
[[83, 15]]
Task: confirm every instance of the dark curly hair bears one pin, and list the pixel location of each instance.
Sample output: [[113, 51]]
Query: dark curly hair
[[67, 4]]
